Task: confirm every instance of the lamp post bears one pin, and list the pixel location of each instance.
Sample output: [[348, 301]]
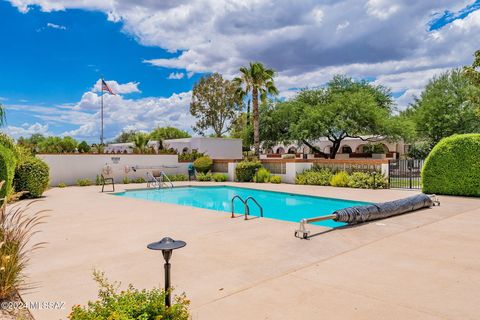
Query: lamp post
[[167, 245]]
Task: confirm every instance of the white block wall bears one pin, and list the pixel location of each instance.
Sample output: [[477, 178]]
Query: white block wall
[[69, 168]]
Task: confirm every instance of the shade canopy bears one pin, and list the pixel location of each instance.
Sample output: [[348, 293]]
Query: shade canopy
[[167, 244]]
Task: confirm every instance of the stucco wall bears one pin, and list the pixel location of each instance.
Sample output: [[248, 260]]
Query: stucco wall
[[69, 168], [216, 148]]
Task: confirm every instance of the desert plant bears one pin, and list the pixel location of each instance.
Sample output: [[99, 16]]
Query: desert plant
[[84, 182], [262, 176], [219, 177], [62, 185], [204, 176], [452, 167], [130, 304], [32, 175], [126, 180], [17, 225], [8, 163], [275, 179], [340, 179], [320, 178], [203, 164], [245, 170]]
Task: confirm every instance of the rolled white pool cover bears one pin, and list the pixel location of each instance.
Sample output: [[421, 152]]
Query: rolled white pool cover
[[369, 212]]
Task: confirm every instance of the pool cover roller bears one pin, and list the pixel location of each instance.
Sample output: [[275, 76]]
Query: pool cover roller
[[369, 212]]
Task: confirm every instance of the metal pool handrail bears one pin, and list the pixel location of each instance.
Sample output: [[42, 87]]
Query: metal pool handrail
[[256, 202], [245, 205]]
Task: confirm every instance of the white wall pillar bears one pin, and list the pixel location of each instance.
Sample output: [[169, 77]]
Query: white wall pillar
[[385, 169], [231, 171]]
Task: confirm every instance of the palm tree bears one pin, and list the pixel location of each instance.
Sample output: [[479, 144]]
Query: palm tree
[[140, 140], [3, 118], [258, 80]]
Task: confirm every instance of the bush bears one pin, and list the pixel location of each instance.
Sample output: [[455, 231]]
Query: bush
[[340, 179], [319, 178], [453, 166], [84, 182], [98, 180], [262, 176], [365, 180], [32, 176], [275, 179], [7, 170], [177, 177], [130, 304], [203, 164], [204, 176], [139, 180], [126, 180], [62, 185], [194, 155], [419, 150], [219, 177], [245, 170]]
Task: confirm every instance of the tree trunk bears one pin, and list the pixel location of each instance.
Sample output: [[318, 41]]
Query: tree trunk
[[334, 148], [256, 129], [248, 112], [313, 148]]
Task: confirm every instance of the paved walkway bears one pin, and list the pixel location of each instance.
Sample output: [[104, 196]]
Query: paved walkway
[[424, 265]]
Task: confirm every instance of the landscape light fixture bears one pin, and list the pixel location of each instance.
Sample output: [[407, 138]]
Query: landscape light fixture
[[167, 245]]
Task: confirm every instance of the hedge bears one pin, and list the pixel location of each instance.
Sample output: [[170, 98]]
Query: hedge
[[32, 175], [245, 170], [7, 169], [453, 166]]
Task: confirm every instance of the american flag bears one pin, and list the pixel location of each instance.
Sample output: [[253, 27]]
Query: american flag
[[105, 87]]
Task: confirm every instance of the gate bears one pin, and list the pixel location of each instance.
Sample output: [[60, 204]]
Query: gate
[[405, 174]]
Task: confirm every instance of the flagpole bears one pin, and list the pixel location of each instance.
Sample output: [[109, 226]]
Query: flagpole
[[101, 136]]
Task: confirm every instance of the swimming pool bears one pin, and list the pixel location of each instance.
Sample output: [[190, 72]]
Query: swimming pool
[[276, 205]]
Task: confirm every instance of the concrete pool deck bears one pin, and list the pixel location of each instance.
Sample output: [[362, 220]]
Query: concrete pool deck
[[423, 265]]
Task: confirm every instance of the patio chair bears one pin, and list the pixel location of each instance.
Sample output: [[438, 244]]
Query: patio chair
[[107, 177]]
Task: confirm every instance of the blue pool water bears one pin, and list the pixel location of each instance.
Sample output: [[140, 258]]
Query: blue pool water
[[276, 205]]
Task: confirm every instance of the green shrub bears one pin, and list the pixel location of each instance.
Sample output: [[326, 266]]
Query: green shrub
[[130, 304], [203, 164], [62, 185], [177, 177], [32, 176], [83, 147], [126, 180], [340, 179], [139, 180], [245, 170], [98, 180], [453, 166], [319, 178], [360, 180], [84, 182], [194, 155], [262, 176], [7, 169], [219, 177], [275, 179], [204, 176]]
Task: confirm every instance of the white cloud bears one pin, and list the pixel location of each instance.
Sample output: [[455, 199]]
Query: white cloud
[[56, 26], [26, 130], [305, 41], [176, 75], [117, 88]]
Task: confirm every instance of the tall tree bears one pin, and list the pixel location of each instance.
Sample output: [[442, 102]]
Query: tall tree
[[3, 118], [474, 75], [344, 108], [125, 136], [164, 133], [215, 103], [445, 107], [257, 80]]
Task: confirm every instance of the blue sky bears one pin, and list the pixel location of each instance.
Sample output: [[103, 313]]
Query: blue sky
[[53, 53]]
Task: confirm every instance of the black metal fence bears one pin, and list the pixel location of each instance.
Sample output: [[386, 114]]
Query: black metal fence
[[405, 174]]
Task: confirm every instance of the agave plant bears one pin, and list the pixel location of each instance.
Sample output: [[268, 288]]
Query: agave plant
[[17, 226]]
